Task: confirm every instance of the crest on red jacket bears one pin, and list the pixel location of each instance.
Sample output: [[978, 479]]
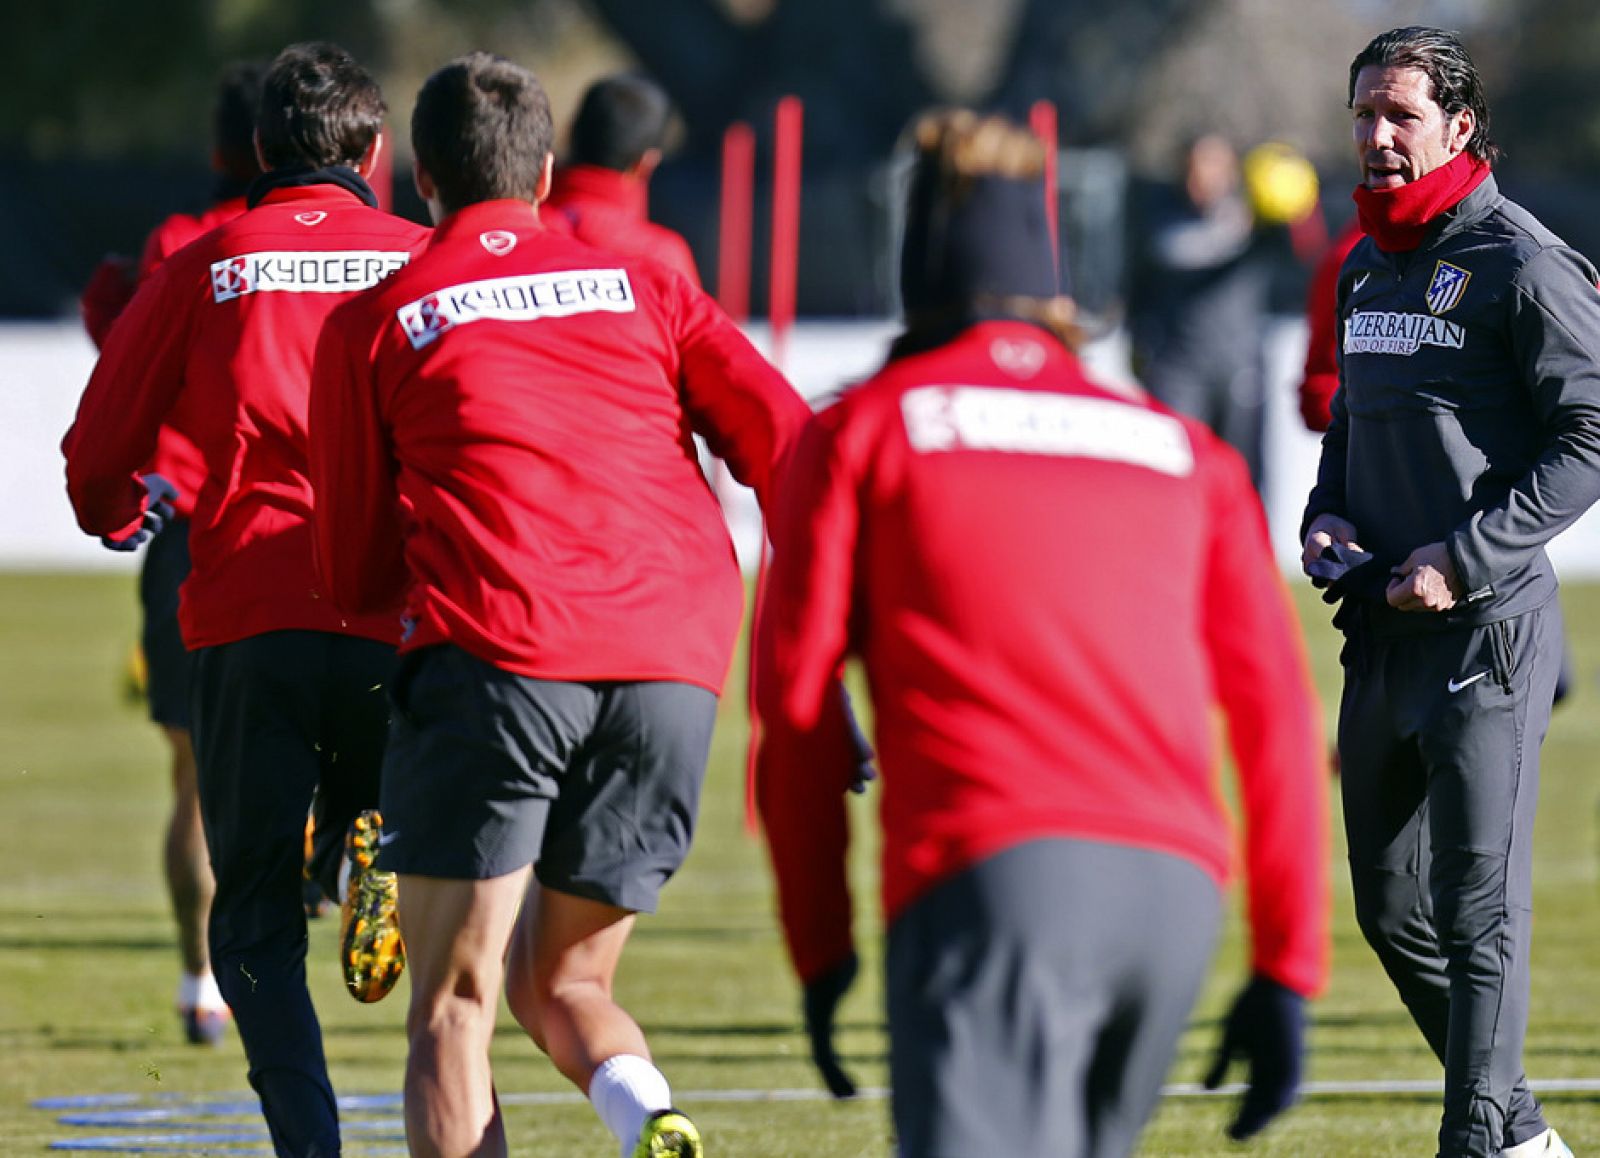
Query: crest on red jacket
[[498, 241], [316, 217]]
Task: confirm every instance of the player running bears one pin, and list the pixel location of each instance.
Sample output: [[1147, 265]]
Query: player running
[[287, 689], [504, 436], [1050, 584]]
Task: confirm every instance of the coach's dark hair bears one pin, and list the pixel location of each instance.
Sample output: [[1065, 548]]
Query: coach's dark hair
[[482, 130], [1442, 57], [318, 107], [233, 119], [621, 118]]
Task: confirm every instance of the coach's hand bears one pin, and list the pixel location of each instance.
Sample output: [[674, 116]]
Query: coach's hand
[[158, 512], [822, 997], [1266, 1027]]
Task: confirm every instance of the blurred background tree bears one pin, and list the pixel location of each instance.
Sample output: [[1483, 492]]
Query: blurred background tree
[[104, 103]]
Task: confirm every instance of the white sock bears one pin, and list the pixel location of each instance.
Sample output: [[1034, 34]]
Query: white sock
[[342, 886], [199, 991], [624, 1091]]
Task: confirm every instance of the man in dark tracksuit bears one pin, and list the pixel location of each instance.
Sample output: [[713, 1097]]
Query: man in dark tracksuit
[[1464, 436]]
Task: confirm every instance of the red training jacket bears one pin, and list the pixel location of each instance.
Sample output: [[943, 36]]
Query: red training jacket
[[223, 331], [108, 294], [1322, 339], [610, 210], [1050, 585], [508, 422]]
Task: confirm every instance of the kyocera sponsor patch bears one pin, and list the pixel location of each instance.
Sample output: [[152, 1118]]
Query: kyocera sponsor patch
[[1383, 332], [525, 298], [329, 272], [946, 418]]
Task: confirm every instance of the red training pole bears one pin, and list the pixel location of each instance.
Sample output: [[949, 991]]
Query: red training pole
[[785, 269], [785, 265], [735, 225], [1042, 120]]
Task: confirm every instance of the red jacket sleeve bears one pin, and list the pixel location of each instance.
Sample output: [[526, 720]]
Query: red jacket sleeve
[[356, 509], [1274, 723], [806, 759], [737, 401], [1322, 340], [134, 387]]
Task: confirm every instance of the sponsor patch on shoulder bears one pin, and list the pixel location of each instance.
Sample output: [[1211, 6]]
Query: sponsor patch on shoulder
[[1448, 284], [524, 298], [948, 418]]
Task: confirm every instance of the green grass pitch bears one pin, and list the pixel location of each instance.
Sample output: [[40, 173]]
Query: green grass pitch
[[87, 968]]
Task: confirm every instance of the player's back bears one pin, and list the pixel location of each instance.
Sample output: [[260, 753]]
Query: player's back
[[542, 395], [1035, 553], [249, 300]]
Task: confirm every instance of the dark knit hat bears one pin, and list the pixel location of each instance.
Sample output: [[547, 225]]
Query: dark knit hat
[[986, 238]]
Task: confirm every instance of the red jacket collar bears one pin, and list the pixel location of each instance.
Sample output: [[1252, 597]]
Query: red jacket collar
[[510, 214]]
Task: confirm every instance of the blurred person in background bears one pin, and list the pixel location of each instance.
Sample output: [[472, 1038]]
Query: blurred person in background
[[167, 666], [503, 438], [1464, 435], [1205, 252], [288, 691], [602, 192], [975, 522]]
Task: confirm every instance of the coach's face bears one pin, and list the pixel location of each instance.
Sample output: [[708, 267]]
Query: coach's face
[[1401, 133]]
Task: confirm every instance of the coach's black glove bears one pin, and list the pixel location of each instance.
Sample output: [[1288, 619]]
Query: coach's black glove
[[1341, 571], [865, 772], [158, 511], [1267, 1028], [822, 998]]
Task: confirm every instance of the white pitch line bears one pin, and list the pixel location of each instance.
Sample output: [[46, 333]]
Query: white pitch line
[[1181, 1090]]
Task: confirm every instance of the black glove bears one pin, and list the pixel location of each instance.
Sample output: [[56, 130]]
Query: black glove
[[158, 511], [865, 772], [822, 998], [1267, 1028], [1340, 571]]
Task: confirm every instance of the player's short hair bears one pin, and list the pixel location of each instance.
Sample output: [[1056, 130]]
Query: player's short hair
[[482, 129], [1453, 77], [318, 108], [233, 119], [620, 119], [977, 239]]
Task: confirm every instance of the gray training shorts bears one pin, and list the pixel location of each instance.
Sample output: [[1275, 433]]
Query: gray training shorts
[[596, 784], [1036, 999]]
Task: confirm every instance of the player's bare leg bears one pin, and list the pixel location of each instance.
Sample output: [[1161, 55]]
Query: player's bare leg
[[188, 867], [456, 933], [190, 885], [564, 956]]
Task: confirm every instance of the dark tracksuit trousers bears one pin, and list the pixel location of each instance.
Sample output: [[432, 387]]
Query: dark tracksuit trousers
[[1439, 736], [277, 717]]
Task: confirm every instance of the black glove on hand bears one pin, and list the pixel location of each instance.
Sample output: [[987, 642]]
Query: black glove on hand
[[1341, 571], [158, 511], [1266, 1027], [822, 998], [865, 771]]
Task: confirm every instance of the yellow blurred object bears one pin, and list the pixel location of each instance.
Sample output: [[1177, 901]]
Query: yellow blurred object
[[1280, 183], [135, 676]]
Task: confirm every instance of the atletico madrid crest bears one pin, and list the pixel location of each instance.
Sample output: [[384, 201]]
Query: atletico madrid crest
[[1449, 283]]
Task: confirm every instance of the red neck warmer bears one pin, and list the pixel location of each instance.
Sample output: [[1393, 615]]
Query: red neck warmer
[[1398, 219]]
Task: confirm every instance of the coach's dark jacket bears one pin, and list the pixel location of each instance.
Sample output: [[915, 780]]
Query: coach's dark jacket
[[1469, 404]]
